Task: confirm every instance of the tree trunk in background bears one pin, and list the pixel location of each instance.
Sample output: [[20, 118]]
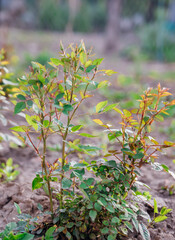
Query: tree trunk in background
[[74, 7], [113, 25], [150, 15]]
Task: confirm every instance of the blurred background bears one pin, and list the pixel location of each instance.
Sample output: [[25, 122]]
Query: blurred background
[[123, 25], [136, 39]]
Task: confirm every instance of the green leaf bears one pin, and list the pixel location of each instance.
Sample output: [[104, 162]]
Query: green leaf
[[126, 113], [130, 211], [41, 78], [80, 165], [40, 207], [11, 226], [37, 183], [165, 211], [86, 135], [136, 224], [125, 217], [115, 220], [110, 208], [83, 185], [110, 107], [100, 106], [17, 208], [19, 107], [102, 202], [76, 128], [60, 229], [93, 197], [70, 225], [159, 118], [37, 65], [67, 108], [106, 222], [129, 226], [59, 96], [104, 230], [46, 123], [19, 128], [9, 162], [92, 236], [109, 72], [89, 147], [90, 68], [31, 122], [78, 173], [111, 237], [83, 58], [92, 215], [97, 61], [98, 121], [97, 207], [90, 205], [21, 97], [50, 232], [155, 206], [145, 215], [89, 181], [66, 183], [24, 236], [66, 167], [160, 218], [59, 107], [166, 168], [30, 103], [68, 235], [34, 83], [114, 135], [103, 84], [56, 61], [118, 110], [127, 151], [144, 231], [112, 163], [138, 155]]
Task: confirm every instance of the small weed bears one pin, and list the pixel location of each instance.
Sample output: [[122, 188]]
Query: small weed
[[8, 171]]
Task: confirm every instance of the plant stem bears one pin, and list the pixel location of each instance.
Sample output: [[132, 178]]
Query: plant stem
[[44, 157], [46, 173], [65, 137], [63, 163]]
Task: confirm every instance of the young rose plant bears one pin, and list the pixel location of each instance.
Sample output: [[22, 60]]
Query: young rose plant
[[136, 148], [49, 100], [98, 199], [111, 205]]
